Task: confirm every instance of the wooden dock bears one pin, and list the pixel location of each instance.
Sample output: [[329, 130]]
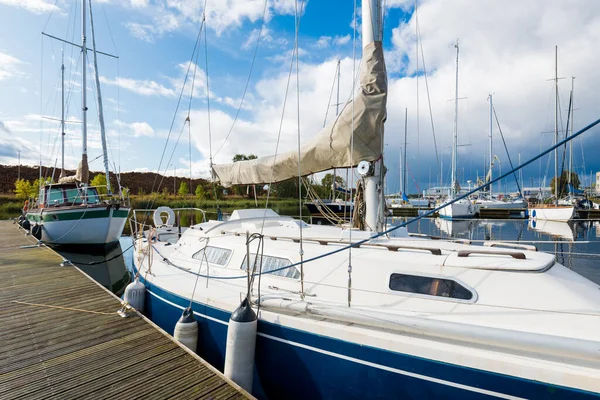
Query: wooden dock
[[61, 337]]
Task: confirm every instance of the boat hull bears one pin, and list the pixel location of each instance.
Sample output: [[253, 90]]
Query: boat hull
[[460, 209], [295, 363], [91, 226], [552, 213]]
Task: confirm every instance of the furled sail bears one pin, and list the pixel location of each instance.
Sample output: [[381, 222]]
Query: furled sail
[[331, 146]]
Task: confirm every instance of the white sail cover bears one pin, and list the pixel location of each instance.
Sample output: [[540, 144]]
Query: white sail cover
[[331, 146]]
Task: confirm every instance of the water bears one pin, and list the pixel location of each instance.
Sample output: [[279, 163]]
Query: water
[[575, 244]]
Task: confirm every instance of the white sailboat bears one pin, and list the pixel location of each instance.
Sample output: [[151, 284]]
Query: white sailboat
[[391, 317], [71, 212], [556, 211], [463, 208]]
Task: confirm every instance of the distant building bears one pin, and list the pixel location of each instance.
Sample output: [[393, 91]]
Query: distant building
[[537, 192], [597, 182]]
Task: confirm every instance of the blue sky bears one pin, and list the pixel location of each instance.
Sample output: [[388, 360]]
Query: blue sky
[[506, 49]]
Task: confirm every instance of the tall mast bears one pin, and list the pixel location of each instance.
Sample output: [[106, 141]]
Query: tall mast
[[455, 135], [374, 204], [62, 117], [571, 188], [83, 78], [491, 124], [100, 109], [556, 179], [404, 157]]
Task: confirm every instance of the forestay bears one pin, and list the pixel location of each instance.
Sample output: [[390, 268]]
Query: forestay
[[331, 147]]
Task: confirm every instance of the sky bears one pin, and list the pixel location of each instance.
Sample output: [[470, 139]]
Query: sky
[[506, 49]]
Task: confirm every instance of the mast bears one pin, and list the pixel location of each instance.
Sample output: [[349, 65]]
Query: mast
[[62, 117], [491, 112], [571, 188], [100, 110], [404, 157], [556, 179], [84, 84], [455, 135], [372, 32]]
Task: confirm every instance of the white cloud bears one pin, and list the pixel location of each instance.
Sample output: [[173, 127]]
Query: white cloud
[[143, 87], [136, 129], [327, 41], [170, 15], [139, 3], [34, 6], [9, 66], [267, 39]]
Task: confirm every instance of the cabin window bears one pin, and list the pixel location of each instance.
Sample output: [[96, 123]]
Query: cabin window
[[214, 255], [55, 196], [270, 263], [92, 196], [440, 287], [73, 196]]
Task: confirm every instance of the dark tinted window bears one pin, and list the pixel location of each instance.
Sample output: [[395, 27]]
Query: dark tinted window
[[429, 286]]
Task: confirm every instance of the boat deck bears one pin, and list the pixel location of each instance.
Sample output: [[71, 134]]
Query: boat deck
[[62, 337]]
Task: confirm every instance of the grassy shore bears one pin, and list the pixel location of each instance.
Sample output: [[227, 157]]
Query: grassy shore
[[11, 207]]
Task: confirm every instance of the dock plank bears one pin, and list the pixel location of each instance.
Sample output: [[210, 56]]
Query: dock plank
[[62, 337]]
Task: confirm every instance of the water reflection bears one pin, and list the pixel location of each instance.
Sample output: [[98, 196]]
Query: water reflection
[[554, 229], [107, 267]]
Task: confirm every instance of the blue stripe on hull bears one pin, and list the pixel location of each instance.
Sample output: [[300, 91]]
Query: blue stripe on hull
[[288, 370]]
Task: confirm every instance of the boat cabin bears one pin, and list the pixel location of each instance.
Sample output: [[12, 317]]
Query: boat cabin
[[67, 194]]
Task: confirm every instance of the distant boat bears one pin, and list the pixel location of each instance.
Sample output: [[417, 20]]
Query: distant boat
[[554, 212], [463, 208], [71, 212]]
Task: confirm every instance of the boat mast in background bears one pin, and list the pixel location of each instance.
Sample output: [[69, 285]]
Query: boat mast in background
[[100, 109], [62, 115], [454, 180], [556, 180], [372, 32], [84, 161], [491, 156]]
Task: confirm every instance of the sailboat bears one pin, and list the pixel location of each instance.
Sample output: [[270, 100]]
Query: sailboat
[[462, 208], [71, 212], [348, 313], [556, 211], [489, 202]]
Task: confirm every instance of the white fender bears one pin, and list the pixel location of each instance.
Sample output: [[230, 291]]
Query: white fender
[[241, 342], [158, 221]]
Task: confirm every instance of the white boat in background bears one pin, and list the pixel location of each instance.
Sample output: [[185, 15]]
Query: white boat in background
[[501, 204], [554, 212], [390, 317], [462, 208], [71, 212], [555, 229]]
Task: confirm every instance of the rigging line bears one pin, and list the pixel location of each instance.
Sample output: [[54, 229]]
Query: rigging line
[[437, 158], [150, 202], [331, 93], [247, 80], [207, 87], [301, 250], [285, 97], [417, 99], [506, 149], [54, 7], [349, 288], [418, 218]]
